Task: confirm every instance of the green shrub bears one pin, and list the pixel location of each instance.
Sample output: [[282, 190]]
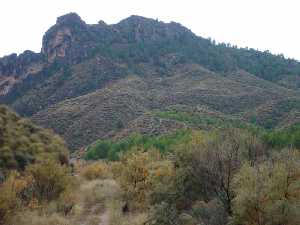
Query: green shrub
[[9, 201], [210, 213], [163, 214], [23, 143], [95, 171], [50, 180], [268, 193], [106, 149], [289, 137]]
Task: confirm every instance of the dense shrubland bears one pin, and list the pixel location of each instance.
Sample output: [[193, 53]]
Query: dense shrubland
[[108, 149], [111, 150], [33, 166], [288, 137], [223, 177], [228, 176], [23, 143], [35, 189]]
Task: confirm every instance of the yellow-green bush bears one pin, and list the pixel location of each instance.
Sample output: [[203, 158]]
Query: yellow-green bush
[[144, 177], [50, 180], [95, 171], [23, 143], [67, 201], [269, 193], [10, 200]]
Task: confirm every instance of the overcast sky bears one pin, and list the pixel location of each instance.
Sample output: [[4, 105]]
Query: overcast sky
[[261, 24]]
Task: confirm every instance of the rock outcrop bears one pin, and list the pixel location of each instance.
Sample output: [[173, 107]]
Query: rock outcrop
[[64, 39], [94, 81], [14, 69]]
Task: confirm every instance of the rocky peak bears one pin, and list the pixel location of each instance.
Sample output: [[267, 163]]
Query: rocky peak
[[57, 45], [14, 65], [71, 39], [59, 38], [142, 29], [70, 19], [135, 20], [14, 68]]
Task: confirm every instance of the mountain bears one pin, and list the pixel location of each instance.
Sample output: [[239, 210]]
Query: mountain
[[143, 75]]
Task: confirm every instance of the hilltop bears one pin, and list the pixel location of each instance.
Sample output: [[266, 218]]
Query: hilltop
[[142, 75]]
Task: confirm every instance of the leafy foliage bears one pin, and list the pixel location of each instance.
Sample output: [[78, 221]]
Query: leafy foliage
[[145, 177], [49, 180], [22, 143], [95, 171], [269, 193], [288, 137], [107, 149], [41, 184], [208, 164], [163, 214], [220, 177], [10, 192], [190, 48]]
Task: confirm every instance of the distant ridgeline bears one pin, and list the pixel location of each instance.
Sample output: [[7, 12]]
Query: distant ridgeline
[[141, 75]]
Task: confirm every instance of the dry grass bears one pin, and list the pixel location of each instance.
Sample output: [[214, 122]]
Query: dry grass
[[98, 191], [94, 200], [33, 218], [93, 197], [96, 170], [117, 217]]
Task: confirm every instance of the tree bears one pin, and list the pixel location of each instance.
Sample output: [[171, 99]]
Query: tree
[[134, 178], [145, 177], [50, 180], [10, 193], [163, 214], [206, 167], [269, 193]]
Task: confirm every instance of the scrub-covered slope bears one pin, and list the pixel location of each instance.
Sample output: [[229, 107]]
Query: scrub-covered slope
[[100, 80]]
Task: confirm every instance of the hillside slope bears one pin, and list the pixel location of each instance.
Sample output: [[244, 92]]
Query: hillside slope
[[99, 81], [23, 143], [116, 107]]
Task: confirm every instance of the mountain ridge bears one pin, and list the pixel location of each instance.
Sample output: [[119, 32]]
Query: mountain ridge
[[89, 81]]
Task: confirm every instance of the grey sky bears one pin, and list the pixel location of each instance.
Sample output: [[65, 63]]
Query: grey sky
[[261, 24]]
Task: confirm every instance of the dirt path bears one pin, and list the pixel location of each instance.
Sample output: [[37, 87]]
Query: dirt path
[[104, 218]]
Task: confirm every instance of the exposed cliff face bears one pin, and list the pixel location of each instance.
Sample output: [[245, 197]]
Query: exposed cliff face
[[58, 46], [64, 39], [14, 69], [71, 41], [17, 66], [6, 82], [81, 83]]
